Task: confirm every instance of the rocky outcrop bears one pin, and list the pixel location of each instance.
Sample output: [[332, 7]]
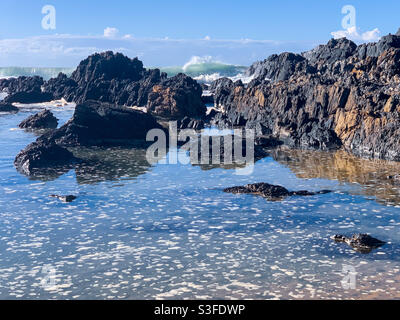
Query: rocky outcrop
[[9, 108], [271, 192], [279, 67], [101, 124], [176, 97], [40, 157], [329, 98], [24, 90], [106, 77], [363, 243], [42, 120], [21, 84], [116, 79], [28, 97]]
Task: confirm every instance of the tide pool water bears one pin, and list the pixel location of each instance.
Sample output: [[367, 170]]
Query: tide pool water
[[138, 231]]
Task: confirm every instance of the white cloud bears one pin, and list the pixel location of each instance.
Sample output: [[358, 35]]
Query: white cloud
[[207, 38], [354, 35], [111, 32]]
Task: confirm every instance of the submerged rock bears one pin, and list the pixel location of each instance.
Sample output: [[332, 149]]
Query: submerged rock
[[269, 191], [6, 107], [363, 243], [42, 120], [40, 157], [68, 198]]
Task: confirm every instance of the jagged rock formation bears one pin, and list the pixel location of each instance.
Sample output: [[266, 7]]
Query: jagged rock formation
[[101, 124], [42, 120], [337, 95], [25, 90], [117, 79], [271, 192]]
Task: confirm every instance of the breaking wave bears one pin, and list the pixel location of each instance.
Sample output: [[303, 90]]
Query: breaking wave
[[206, 70]]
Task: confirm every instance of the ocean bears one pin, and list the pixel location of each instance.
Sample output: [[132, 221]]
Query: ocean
[[141, 231], [203, 69]]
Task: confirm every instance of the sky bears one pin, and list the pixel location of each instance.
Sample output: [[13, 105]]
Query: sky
[[165, 33]]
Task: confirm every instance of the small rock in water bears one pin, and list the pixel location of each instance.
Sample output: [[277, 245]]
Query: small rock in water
[[42, 120], [68, 198], [271, 192], [361, 242]]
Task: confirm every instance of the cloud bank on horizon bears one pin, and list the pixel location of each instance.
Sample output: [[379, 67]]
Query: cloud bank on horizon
[[67, 50], [64, 50]]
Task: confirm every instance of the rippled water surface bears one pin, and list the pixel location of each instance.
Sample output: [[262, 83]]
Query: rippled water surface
[[168, 231]]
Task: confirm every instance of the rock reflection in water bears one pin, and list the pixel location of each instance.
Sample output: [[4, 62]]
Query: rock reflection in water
[[372, 175], [100, 164], [110, 164]]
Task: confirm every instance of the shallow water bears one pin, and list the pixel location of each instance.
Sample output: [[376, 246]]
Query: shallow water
[[168, 231]]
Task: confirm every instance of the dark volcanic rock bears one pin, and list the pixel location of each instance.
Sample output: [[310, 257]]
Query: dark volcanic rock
[[333, 97], [40, 157], [176, 98], [363, 243], [108, 66], [42, 120], [333, 51], [21, 84], [99, 124], [270, 191], [29, 97], [279, 67], [25, 90], [6, 107]]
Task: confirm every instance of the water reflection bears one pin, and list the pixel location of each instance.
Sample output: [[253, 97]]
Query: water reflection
[[371, 175]]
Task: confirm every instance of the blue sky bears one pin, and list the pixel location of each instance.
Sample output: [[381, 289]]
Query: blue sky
[[171, 32]]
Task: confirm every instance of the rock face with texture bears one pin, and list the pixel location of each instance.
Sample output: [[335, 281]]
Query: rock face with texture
[[363, 243], [335, 96], [116, 79], [176, 98], [101, 124], [270, 191], [106, 77], [40, 156], [42, 120]]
